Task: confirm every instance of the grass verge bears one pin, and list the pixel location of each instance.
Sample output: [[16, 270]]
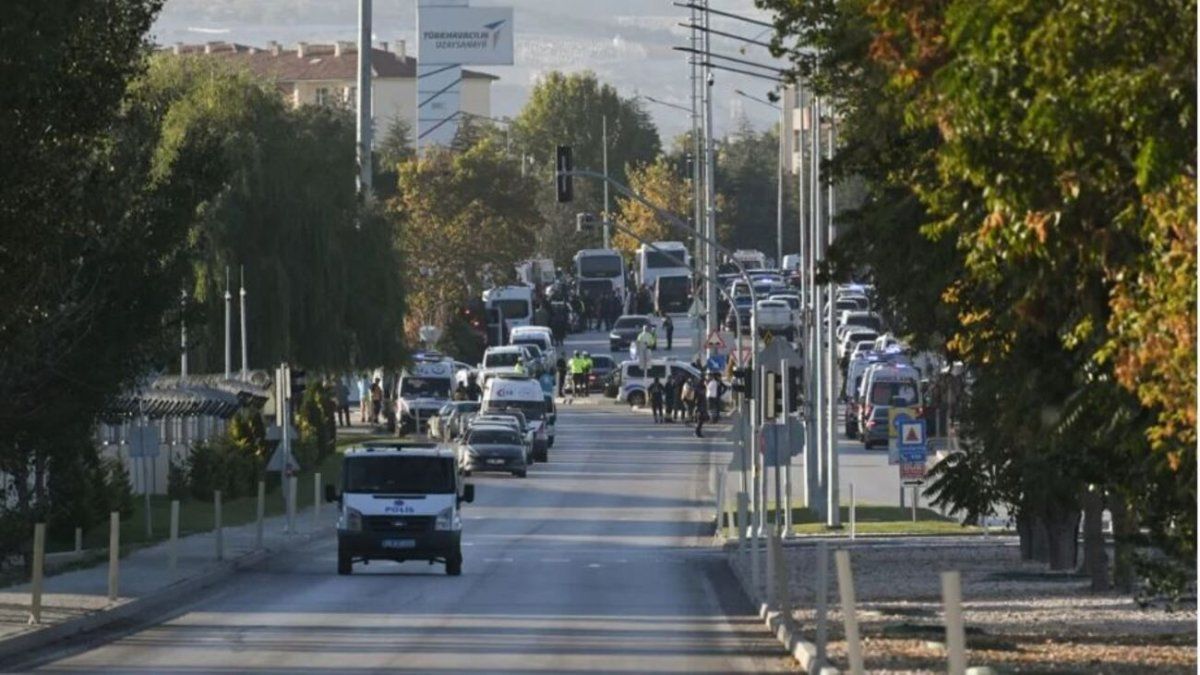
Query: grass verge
[[873, 519]]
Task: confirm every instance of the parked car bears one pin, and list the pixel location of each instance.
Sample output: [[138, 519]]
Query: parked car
[[493, 447], [449, 423], [602, 366], [626, 330]]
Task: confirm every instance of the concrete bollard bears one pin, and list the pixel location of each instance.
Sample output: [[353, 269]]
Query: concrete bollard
[[114, 553], [849, 616], [720, 502], [220, 538], [173, 543], [822, 612], [853, 514], [79, 540], [316, 501], [772, 570], [956, 641], [290, 486], [39, 564], [259, 513], [783, 590]]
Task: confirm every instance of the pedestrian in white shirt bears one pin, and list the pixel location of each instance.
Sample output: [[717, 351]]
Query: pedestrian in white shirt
[[712, 392]]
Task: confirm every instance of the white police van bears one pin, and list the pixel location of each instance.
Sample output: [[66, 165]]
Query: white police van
[[505, 393], [423, 389], [400, 501]]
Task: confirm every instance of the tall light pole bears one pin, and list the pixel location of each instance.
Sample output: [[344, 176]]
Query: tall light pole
[[242, 318], [363, 130], [778, 176], [604, 152], [710, 192], [228, 327], [183, 360]]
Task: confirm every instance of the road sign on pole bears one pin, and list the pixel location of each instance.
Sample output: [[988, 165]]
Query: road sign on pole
[[898, 415]]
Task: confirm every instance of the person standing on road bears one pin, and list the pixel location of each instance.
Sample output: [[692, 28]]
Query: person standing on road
[[712, 392], [646, 338], [343, 402], [668, 327], [701, 415], [576, 366], [656, 391], [376, 401], [474, 392], [560, 367], [587, 373], [670, 388], [687, 394]]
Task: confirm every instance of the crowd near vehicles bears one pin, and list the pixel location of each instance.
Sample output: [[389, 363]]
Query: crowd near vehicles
[[400, 501], [540, 337], [661, 258]]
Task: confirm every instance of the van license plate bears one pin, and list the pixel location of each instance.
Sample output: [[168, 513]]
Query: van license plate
[[495, 461], [399, 543]]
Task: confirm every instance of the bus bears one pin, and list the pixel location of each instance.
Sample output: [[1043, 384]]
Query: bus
[[673, 293], [596, 265], [661, 258]]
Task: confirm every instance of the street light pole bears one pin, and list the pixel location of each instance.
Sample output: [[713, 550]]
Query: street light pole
[[604, 144], [363, 128]]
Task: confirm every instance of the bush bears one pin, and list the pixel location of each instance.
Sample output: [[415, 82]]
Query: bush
[[117, 487], [177, 479], [315, 420]]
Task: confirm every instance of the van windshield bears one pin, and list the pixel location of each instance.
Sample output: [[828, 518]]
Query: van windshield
[[393, 474], [512, 309], [882, 393], [658, 259], [599, 266], [425, 387], [533, 410], [500, 359]]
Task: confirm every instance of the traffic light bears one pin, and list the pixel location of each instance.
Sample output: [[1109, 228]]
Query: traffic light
[[743, 382], [565, 187], [772, 396], [796, 383]]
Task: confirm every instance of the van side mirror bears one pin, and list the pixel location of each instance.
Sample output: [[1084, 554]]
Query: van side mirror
[[468, 494], [331, 494]]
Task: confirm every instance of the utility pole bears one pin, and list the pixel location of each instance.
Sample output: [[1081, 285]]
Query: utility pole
[[710, 198], [698, 172], [604, 142], [242, 318], [364, 131], [183, 364], [834, 509], [779, 191], [228, 327]]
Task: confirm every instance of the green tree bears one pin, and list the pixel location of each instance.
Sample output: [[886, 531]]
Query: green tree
[[467, 217], [568, 109], [660, 185]]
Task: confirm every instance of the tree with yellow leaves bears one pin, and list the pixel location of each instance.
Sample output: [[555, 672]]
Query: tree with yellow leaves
[[660, 185]]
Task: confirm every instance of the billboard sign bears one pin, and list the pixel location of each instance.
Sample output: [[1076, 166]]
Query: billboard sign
[[474, 36]]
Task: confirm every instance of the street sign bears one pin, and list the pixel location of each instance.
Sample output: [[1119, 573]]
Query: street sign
[[275, 432], [896, 417], [912, 473], [716, 363], [911, 444], [715, 340], [276, 461]]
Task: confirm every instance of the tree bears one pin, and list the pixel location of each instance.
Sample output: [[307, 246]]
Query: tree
[[467, 217], [95, 217], [660, 185], [568, 109], [1046, 156], [323, 271]]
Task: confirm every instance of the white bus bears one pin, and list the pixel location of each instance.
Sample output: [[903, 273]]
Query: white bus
[[661, 259], [594, 267]]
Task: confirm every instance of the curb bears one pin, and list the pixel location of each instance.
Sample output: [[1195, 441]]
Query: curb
[[24, 643], [800, 649]]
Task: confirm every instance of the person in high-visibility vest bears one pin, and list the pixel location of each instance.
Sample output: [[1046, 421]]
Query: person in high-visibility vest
[[646, 338], [576, 365], [587, 373], [519, 367]]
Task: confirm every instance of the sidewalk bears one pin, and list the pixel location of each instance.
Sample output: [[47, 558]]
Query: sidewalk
[[77, 601]]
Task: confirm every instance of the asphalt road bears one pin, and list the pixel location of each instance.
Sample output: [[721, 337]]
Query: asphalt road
[[600, 561]]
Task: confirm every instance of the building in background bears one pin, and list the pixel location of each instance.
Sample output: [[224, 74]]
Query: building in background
[[326, 74]]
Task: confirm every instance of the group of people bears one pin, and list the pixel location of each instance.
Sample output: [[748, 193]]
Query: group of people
[[687, 400], [580, 366], [469, 390]]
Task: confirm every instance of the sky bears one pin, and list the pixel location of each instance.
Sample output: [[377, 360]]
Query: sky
[[627, 43]]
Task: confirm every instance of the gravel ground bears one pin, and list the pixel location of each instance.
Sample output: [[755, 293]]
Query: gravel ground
[[1019, 617]]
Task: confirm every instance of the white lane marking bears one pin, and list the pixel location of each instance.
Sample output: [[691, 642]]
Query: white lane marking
[[493, 560], [556, 560], [594, 565]]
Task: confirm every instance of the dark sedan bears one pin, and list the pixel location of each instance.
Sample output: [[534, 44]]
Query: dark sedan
[[602, 366], [499, 449], [626, 330]]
